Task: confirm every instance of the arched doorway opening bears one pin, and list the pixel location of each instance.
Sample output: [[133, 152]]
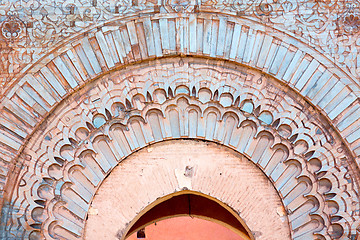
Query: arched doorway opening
[[191, 204], [158, 181], [185, 227]]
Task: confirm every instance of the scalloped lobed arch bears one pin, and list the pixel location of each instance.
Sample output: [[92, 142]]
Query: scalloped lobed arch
[[318, 83], [122, 42], [89, 134]]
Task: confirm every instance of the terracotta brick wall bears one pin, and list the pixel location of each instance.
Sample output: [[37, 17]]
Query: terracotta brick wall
[[159, 170]]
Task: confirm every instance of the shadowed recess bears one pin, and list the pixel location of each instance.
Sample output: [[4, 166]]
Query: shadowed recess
[[190, 205]]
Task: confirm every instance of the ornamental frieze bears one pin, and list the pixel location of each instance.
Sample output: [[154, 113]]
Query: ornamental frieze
[[87, 83], [71, 154], [31, 29]]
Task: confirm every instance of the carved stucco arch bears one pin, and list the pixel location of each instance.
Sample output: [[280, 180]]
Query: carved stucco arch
[[153, 101], [128, 40]]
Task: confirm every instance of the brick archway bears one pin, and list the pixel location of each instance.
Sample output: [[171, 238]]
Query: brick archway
[[191, 205], [158, 172]]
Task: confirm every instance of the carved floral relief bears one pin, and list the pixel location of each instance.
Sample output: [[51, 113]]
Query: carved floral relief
[[331, 26]]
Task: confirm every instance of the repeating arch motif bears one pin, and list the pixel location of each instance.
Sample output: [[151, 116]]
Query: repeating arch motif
[[122, 42], [234, 106]]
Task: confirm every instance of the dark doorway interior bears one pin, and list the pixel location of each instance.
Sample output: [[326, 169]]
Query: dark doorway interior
[[190, 205]]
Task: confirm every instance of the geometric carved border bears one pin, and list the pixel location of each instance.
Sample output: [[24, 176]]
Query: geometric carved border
[[184, 98], [120, 43], [333, 28]]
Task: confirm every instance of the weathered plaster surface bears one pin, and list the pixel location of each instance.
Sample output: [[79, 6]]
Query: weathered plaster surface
[[31, 29], [289, 68]]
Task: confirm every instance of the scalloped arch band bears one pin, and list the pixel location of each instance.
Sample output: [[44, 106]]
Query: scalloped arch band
[[122, 42], [93, 130], [122, 86]]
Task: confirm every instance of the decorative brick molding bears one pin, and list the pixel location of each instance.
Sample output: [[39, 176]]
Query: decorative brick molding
[[120, 43], [92, 130]]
